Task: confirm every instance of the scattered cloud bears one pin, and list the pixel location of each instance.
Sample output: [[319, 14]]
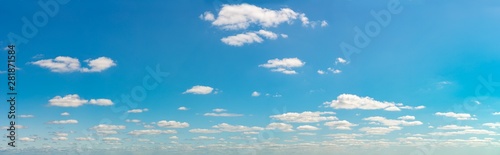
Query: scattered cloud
[[222, 114], [349, 101], [203, 138], [454, 127], [340, 125], [182, 108], [73, 100], [458, 116], [27, 139], [324, 23], [321, 72], [392, 122], [62, 64], [107, 129], [307, 127], [138, 110], [65, 114], [492, 125], [280, 126], [26, 116], [133, 120], [172, 124], [284, 65], [305, 117], [201, 90], [151, 132], [236, 128], [341, 61], [204, 131], [219, 110], [379, 130], [70, 121], [255, 94]]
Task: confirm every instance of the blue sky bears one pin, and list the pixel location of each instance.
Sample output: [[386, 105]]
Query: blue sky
[[255, 77]]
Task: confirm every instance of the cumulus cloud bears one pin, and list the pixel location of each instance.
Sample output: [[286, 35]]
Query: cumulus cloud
[[496, 113], [73, 100], [203, 138], [222, 114], [321, 72], [201, 90], [65, 114], [219, 110], [63, 64], [205, 131], [26, 116], [133, 120], [280, 126], [255, 94], [307, 127], [454, 127], [340, 125], [379, 130], [27, 139], [305, 117], [492, 125], [458, 116], [107, 129], [236, 128], [392, 122], [182, 108], [249, 38], [70, 121], [464, 132], [84, 139], [138, 110], [151, 132], [172, 124], [349, 101], [284, 65], [324, 23]]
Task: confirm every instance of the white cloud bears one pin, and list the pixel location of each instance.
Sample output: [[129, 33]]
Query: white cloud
[[84, 139], [138, 110], [26, 139], [349, 101], [182, 108], [236, 128], [151, 132], [284, 65], [496, 113], [304, 117], [59, 138], [284, 35], [458, 116], [222, 114], [173, 137], [63, 64], [464, 132], [340, 125], [321, 72], [379, 130], [172, 124], [65, 114], [268, 34], [204, 131], [324, 23], [255, 94], [208, 16], [341, 61], [101, 102], [26, 116], [307, 127], [243, 38], [454, 127], [61, 134], [203, 138], [98, 65], [133, 120], [107, 129], [202, 90], [73, 100], [280, 126], [70, 121], [219, 110], [241, 16], [492, 125], [307, 134], [111, 139], [392, 122], [407, 117], [334, 71]]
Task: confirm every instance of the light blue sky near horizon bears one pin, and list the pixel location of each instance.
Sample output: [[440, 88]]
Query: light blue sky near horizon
[[432, 54]]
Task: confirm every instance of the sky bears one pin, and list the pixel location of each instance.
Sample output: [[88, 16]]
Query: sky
[[213, 77]]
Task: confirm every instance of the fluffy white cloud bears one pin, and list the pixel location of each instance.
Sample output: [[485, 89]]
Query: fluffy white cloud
[[241, 16], [73, 100], [391, 122], [107, 129], [307, 127], [133, 120], [341, 61], [379, 130], [84, 139], [111, 139], [340, 125], [321, 72], [208, 16], [173, 137], [284, 65], [304, 117], [334, 71], [236, 128], [26, 139], [492, 125], [496, 113], [349, 101], [151, 132], [202, 90], [280, 126], [464, 132], [68, 64], [59, 138], [324, 23], [182, 108], [70, 121], [65, 114], [249, 38], [222, 114], [204, 131], [407, 117], [219, 110], [101, 102], [138, 110], [454, 127], [172, 124], [255, 94], [203, 138], [458, 116]]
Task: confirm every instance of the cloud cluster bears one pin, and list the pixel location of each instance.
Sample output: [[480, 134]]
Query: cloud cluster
[[63, 64], [73, 100]]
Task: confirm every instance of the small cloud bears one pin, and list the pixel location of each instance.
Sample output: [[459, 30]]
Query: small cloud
[[255, 94], [201, 90], [65, 114], [341, 61], [26, 116], [182, 108], [38, 56], [219, 110], [138, 110], [222, 115], [321, 72], [284, 65], [208, 16], [324, 23], [334, 71], [70, 121], [284, 35]]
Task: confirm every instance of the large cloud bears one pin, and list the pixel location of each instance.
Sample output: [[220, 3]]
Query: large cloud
[[349, 101], [73, 100], [63, 64]]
